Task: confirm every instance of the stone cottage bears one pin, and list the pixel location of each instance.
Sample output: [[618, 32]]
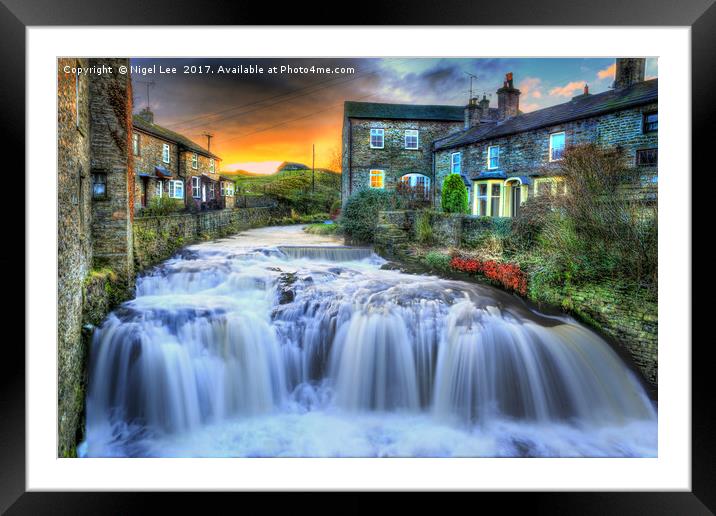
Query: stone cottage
[[503, 155], [517, 155], [385, 145], [169, 164]]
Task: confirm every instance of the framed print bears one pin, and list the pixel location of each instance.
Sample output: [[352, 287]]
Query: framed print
[[365, 258]]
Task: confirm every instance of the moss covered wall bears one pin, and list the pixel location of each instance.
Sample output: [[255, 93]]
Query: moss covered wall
[[157, 238]]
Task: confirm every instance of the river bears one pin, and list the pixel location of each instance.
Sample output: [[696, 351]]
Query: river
[[276, 343]]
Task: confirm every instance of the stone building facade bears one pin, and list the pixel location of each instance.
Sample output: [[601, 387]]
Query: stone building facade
[[386, 144], [518, 155], [171, 165], [94, 216], [503, 155]]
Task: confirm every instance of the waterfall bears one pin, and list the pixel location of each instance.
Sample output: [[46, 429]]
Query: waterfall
[[238, 348]]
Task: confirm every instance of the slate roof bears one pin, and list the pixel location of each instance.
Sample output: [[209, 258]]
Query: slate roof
[[402, 111], [167, 134], [641, 93]]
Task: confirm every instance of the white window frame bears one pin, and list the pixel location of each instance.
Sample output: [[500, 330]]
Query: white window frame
[[165, 153], [159, 189], [229, 188], [173, 186], [380, 132], [412, 132], [135, 144], [551, 135], [489, 160], [194, 161], [378, 173], [196, 187], [459, 163], [211, 165]]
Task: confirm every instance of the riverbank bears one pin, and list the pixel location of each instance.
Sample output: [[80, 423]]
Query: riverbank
[[472, 248]]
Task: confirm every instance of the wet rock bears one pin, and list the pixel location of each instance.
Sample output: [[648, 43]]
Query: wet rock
[[286, 291]]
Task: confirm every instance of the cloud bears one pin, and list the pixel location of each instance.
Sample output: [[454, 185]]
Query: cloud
[[527, 107], [568, 89], [530, 87], [608, 72]]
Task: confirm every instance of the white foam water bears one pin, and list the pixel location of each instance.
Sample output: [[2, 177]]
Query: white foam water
[[279, 343]]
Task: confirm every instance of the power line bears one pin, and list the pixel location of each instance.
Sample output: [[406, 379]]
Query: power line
[[293, 119], [189, 122]]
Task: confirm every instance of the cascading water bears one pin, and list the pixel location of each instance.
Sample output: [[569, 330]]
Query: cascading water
[[266, 345]]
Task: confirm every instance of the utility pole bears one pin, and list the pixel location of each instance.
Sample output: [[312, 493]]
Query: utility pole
[[313, 168], [209, 136]]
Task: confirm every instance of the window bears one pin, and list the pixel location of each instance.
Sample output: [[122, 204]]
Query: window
[[411, 139], [211, 191], [493, 157], [647, 157], [455, 163], [176, 189], [211, 165], [165, 153], [196, 187], [482, 199], [99, 185], [227, 188], [194, 161], [377, 138], [376, 178], [495, 200], [556, 146], [135, 144], [158, 189], [651, 122]]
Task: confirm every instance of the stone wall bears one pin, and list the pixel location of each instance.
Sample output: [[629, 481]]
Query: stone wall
[[158, 238], [74, 253], [111, 119], [394, 159]]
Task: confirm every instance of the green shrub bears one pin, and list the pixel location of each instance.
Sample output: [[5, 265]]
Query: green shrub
[[454, 194], [437, 261], [423, 227], [159, 206], [323, 229], [359, 218]]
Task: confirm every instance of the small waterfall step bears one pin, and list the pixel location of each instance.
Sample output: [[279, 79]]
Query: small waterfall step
[[327, 253]]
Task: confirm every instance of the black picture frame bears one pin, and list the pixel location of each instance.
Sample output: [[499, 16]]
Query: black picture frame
[[16, 15]]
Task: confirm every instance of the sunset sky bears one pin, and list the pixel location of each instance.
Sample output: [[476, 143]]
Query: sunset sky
[[260, 119]]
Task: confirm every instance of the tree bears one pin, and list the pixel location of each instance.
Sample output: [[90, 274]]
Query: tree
[[454, 194]]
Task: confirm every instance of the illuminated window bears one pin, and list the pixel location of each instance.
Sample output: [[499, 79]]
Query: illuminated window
[[411, 139], [165, 153], [556, 146], [99, 185], [377, 178], [377, 137], [211, 165], [493, 157], [194, 161], [455, 163]]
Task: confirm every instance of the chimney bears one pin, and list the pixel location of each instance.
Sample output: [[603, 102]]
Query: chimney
[[147, 115], [508, 99], [629, 71], [485, 106], [472, 113], [585, 94]]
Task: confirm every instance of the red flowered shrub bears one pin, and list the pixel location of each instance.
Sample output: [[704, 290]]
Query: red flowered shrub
[[508, 275]]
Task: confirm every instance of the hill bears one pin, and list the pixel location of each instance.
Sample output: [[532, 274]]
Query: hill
[[295, 188]]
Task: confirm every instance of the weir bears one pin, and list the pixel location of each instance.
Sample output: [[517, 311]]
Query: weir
[[212, 358]]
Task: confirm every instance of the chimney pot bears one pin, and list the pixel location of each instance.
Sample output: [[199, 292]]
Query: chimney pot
[[508, 99]]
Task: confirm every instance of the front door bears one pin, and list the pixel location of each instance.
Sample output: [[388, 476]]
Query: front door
[[516, 196]]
